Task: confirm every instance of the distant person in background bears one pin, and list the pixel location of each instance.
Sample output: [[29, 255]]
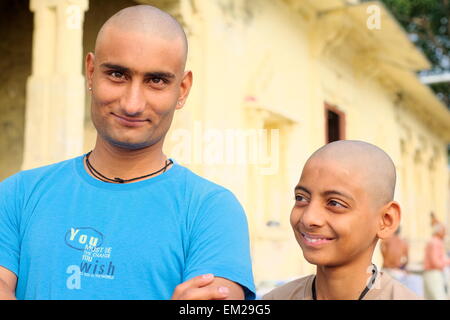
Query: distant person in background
[[395, 255], [434, 220], [435, 262], [395, 251]]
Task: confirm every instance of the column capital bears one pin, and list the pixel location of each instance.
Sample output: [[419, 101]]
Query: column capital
[[36, 5], [55, 90], [407, 148]]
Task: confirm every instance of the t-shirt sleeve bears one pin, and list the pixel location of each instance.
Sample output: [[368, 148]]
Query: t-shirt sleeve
[[219, 242], [9, 225]]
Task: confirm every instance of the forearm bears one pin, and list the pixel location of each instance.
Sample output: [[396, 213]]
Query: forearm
[[6, 293]]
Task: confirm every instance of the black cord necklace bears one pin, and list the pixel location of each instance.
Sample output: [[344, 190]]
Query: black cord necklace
[[363, 293], [101, 177]]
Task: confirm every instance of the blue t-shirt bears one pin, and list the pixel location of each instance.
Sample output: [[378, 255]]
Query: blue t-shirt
[[67, 235]]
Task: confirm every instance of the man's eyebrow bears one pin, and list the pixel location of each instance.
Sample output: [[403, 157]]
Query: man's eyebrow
[[302, 189], [115, 67], [339, 193], [159, 74], [155, 74]]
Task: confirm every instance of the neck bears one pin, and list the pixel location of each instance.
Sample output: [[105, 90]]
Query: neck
[[342, 282], [113, 161]]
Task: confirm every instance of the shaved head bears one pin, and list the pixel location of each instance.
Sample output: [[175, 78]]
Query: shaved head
[[137, 77], [144, 19], [366, 160], [344, 204]]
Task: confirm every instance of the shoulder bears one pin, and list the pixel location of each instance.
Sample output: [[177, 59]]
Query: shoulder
[[400, 291], [207, 201], [44, 171], [197, 181], [391, 289], [17, 190], [299, 289], [200, 187], [25, 180]]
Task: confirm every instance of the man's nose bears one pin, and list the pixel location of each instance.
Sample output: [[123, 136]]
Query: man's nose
[[133, 102]]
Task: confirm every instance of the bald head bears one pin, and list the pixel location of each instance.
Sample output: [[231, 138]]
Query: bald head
[[144, 19], [372, 164]]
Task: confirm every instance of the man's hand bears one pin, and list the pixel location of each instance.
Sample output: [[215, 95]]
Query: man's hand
[[208, 287]]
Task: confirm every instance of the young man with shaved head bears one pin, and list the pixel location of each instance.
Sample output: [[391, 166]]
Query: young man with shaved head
[[125, 221], [343, 205]]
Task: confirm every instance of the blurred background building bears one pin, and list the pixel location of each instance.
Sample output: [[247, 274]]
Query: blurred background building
[[273, 81]]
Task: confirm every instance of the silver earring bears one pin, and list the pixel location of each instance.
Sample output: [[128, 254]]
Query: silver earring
[[90, 89]]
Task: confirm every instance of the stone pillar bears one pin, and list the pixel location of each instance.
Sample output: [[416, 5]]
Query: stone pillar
[[406, 185], [54, 119]]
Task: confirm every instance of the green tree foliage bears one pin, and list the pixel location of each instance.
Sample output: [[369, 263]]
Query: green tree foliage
[[427, 23]]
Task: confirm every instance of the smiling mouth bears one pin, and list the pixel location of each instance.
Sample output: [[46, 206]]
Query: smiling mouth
[[315, 239], [130, 122], [129, 119]]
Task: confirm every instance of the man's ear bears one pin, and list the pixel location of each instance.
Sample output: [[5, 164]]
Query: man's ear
[[389, 220], [89, 65], [185, 87]]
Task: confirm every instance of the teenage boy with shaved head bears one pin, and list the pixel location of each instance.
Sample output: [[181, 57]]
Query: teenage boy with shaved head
[[343, 205], [125, 221]]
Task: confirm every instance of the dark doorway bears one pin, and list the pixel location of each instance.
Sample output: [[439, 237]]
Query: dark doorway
[[16, 30], [334, 124]]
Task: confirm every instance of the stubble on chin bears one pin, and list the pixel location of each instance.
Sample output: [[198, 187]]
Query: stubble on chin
[[124, 143]]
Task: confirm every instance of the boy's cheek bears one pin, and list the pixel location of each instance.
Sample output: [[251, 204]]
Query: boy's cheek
[[298, 236], [295, 217]]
